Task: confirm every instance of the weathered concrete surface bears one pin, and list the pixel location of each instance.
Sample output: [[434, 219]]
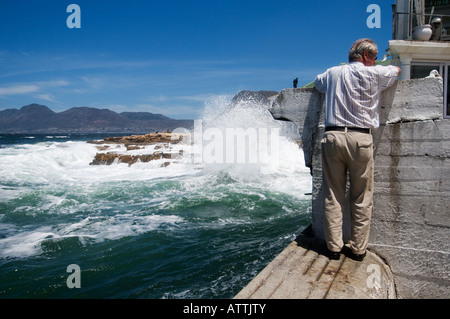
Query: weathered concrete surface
[[302, 271], [410, 225], [306, 117]]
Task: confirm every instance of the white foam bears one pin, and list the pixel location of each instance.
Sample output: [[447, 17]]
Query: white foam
[[117, 226], [27, 243], [24, 243]]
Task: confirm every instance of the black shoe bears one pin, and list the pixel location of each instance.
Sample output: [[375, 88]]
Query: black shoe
[[356, 257], [350, 254], [333, 255]]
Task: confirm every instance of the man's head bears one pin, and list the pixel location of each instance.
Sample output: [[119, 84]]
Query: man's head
[[365, 51]]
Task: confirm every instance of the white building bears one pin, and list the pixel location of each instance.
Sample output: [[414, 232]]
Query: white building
[[421, 41]]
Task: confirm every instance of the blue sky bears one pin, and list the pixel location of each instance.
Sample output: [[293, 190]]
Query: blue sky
[[172, 57]]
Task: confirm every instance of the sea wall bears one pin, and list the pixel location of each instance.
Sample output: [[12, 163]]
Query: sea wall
[[410, 226]]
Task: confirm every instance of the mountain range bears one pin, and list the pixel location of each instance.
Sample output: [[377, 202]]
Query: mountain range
[[35, 118]]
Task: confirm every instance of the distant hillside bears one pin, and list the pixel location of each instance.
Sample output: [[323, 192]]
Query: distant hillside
[[144, 116], [35, 118]]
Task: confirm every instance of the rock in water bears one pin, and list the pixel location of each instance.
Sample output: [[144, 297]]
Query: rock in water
[[125, 148]]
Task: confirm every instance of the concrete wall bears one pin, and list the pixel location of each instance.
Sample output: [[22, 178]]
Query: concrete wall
[[411, 221]]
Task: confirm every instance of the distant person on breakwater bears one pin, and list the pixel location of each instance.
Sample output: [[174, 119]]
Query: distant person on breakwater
[[295, 82], [352, 96]]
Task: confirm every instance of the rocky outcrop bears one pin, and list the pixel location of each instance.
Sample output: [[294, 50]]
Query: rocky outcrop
[[138, 148], [109, 158], [146, 139], [261, 97]]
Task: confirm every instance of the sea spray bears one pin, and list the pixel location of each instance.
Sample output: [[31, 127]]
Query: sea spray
[[242, 135]]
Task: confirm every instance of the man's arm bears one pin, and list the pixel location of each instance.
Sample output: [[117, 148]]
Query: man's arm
[[320, 83], [388, 75]]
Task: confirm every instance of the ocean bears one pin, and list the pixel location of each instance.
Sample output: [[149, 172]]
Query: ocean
[[192, 229]]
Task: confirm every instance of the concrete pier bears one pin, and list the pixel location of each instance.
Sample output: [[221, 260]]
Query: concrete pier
[[302, 271]]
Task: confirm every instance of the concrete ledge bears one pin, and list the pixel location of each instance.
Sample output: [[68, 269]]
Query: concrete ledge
[[302, 271]]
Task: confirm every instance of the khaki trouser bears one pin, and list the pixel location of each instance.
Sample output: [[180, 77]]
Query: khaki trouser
[[350, 152]]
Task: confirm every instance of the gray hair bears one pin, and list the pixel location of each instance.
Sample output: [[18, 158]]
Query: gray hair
[[359, 47]]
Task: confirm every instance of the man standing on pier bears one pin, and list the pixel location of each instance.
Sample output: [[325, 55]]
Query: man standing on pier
[[352, 96]]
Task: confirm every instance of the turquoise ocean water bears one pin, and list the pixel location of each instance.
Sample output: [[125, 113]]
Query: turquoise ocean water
[[145, 231]]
